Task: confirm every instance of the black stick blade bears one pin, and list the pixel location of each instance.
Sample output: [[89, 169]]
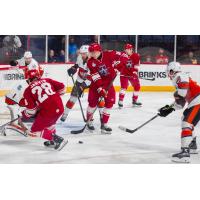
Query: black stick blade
[[78, 131], [126, 129]]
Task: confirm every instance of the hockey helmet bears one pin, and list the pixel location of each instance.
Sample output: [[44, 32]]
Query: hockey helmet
[[32, 74], [27, 54], [95, 47], [173, 68], [128, 46], [84, 49]]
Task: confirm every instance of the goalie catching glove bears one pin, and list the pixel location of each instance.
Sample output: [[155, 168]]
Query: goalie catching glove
[[166, 110]]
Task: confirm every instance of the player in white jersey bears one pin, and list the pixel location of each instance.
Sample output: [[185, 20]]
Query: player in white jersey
[[14, 97], [187, 91], [82, 82]]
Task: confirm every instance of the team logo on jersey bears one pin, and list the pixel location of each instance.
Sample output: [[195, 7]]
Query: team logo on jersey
[[129, 64], [103, 71], [19, 87], [94, 65]]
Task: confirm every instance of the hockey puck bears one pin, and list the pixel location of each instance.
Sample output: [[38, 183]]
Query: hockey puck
[[80, 142]]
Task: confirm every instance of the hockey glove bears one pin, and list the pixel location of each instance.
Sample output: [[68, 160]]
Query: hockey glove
[[81, 88], [166, 110], [13, 63], [102, 92], [71, 71]]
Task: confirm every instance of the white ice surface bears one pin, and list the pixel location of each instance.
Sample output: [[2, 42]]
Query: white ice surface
[[154, 143]]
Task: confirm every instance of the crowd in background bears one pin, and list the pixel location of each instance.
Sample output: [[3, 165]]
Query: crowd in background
[[154, 49]]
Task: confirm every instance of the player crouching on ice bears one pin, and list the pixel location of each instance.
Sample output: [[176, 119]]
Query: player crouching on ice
[[129, 74], [82, 82], [188, 91], [42, 100]]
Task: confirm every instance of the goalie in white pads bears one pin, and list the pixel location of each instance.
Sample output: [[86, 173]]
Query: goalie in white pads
[[188, 91], [82, 82], [13, 98]]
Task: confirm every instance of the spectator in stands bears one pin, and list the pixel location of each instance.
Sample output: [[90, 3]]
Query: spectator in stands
[[51, 57], [190, 59], [11, 47], [73, 48], [148, 59], [61, 57], [161, 58]]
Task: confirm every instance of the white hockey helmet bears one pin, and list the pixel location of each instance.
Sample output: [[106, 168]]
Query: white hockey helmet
[[84, 49], [173, 68], [27, 54]]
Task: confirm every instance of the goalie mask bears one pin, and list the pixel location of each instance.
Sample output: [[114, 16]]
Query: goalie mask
[[172, 69]]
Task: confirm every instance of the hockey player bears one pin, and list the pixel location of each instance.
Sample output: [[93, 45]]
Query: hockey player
[[188, 91], [82, 82], [129, 74], [28, 61], [42, 100], [101, 66], [12, 99]]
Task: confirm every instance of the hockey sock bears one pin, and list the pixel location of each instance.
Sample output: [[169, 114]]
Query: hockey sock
[[70, 103], [121, 94], [106, 115], [47, 133], [186, 137], [135, 96], [90, 112]]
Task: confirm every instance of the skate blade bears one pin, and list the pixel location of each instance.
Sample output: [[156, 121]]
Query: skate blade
[[136, 106], [193, 151], [89, 130], [106, 132], [181, 160], [62, 145]]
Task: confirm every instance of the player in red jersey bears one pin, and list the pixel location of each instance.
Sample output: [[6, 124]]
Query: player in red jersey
[[102, 70], [42, 100], [129, 74]]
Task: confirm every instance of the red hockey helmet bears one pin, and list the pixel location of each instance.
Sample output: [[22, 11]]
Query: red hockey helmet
[[33, 73], [94, 47], [128, 46]]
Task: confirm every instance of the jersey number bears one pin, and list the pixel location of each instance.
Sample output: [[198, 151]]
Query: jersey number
[[43, 87]]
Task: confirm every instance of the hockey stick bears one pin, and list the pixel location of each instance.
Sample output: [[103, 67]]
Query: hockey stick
[[81, 130], [133, 130], [146, 79], [79, 101]]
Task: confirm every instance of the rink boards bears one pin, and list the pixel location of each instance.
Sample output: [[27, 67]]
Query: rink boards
[[153, 77]]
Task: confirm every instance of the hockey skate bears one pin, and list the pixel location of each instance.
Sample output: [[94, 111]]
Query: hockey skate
[[64, 116], [120, 104], [182, 157], [49, 144], [136, 103], [105, 129], [59, 142], [193, 146], [90, 126]]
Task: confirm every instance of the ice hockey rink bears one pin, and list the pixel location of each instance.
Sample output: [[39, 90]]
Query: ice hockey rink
[[153, 144]]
